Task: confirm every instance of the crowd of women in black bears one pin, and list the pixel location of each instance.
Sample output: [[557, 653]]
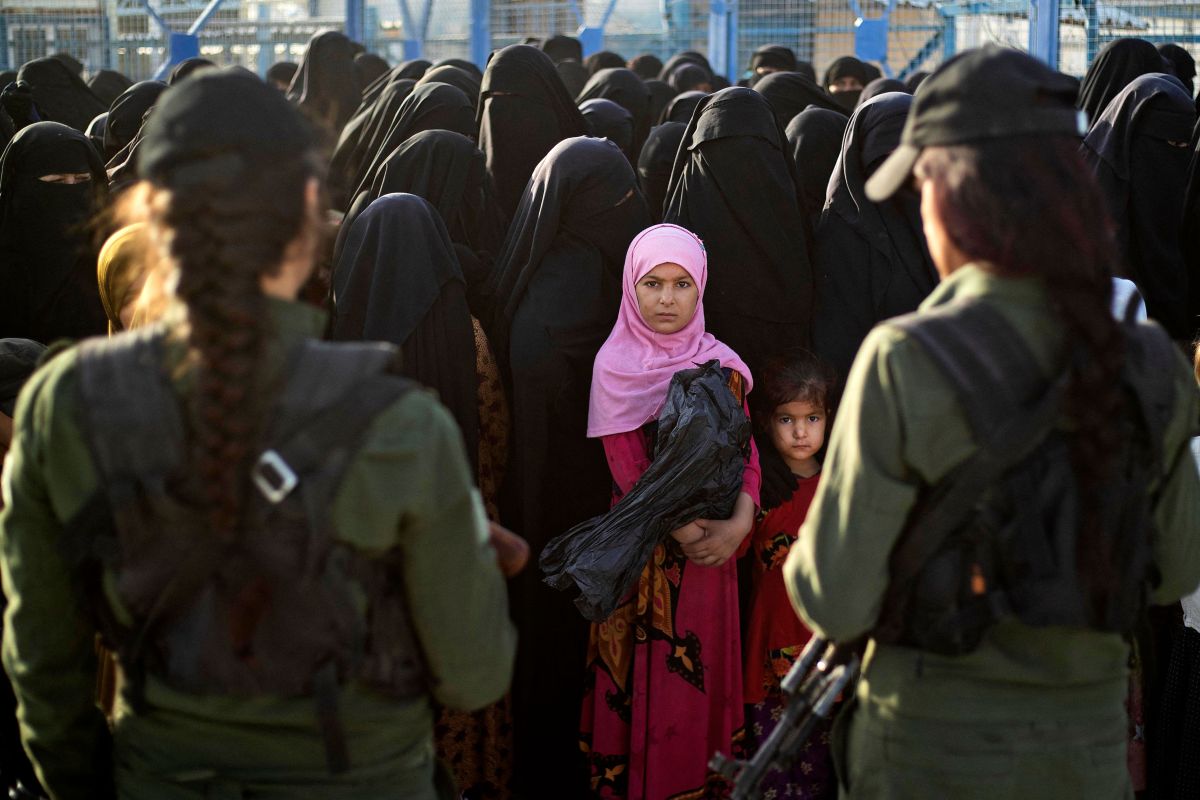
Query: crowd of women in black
[[479, 220]]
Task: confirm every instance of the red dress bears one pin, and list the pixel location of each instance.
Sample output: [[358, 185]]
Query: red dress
[[664, 689]]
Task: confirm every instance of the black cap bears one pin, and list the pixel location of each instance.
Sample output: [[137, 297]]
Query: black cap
[[18, 359], [992, 92], [228, 116]]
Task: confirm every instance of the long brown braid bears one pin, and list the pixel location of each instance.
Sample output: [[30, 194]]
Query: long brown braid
[[1029, 207], [224, 229]]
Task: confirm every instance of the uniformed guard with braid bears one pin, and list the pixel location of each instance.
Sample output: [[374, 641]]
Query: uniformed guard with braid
[[273, 533]]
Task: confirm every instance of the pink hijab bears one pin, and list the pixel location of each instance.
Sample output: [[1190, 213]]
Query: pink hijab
[[634, 367]]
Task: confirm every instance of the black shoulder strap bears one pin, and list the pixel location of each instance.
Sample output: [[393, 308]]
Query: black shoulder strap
[[983, 356], [1008, 430], [132, 420]]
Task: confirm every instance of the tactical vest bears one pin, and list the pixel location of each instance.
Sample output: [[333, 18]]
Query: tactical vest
[[997, 536], [282, 608]]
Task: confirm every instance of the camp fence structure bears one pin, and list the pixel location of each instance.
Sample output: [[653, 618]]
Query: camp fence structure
[[143, 38]]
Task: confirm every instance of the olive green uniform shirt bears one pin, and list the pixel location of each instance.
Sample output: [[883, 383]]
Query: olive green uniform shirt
[[408, 487], [899, 427]]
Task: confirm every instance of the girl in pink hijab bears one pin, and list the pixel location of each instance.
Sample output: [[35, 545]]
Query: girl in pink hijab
[[665, 678]]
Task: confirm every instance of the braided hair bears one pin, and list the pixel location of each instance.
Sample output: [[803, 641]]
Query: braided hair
[[1028, 206], [227, 214]]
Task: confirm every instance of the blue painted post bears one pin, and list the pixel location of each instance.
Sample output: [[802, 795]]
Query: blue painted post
[[412, 33], [481, 31], [1093, 30], [262, 35], [354, 19], [1043, 30], [949, 36], [722, 37]]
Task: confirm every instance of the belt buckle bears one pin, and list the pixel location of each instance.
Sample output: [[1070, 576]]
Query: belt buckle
[[285, 480]]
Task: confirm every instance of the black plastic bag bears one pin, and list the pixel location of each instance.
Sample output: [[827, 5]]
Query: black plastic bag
[[703, 438]]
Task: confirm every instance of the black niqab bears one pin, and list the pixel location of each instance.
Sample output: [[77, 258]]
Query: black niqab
[[461, 63], [557, 291], [398, 280], [661, 95], [458, 78], [682, 106], [1115, 67], [71, 62], [560, 48], [734, 185], [127, 113], [689, 77], [882, 86], [789, 93], [815, 136], [846, 67], [655, 163], [107, 85], [626, 89], [186, 68], [60, 94], [870, 259], [1183, 66], [449, 171], [608, 120], [368, 67], [646, 66], [686, 57], [47, 261], [282, 72], [524, 111], [434, 106], [774, 56], [362, 139], [1138, 149], [605, 59], [326, 86], [574, 76]]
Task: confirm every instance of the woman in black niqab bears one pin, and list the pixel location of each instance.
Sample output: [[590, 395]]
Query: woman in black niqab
[[655, 163], [560, 48], [459, 78], [1139, 151], [361, 139], [608, 120], [789, 93], [627, 90], [1182, 65], [574, 75], [524, 111], [646, 66], [689, 77], [126, 115], [434, 106], [461, 63], [60, 94], [449, 171], [842, 68], [326, 86], [1115, 67], [882, 86], [186, 68], [368, 67], [870, 259], [556, 291], [47, 258], [605, 59], [107, 85], [734, 185], [682, 106], [398, 280], [815, 136], [685, 57], [661, 95]]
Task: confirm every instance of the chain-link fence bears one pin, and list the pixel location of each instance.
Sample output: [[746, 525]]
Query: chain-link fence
[[900, 36]]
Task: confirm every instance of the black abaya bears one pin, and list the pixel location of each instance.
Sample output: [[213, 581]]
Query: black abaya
[[815, 136], [556, 291], [627, 90], [126, 115], [870, 259], [681, 107], [607, 120], [655, 163], [789, 93], [1138, 149], [467, 82], [368, 67], [47, 261], [524, 111], [107, 85], [661, 95], [734, 185], [1115, 67], [60, 94], [362, 138], [326, 86], [398, 280]]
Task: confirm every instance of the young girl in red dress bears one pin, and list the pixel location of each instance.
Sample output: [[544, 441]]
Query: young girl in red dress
[[796, 403], [665, 669]]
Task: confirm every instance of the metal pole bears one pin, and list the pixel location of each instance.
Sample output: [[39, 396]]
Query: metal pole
[[354, 20], [481, 31], [204, 17], [1043, 30]]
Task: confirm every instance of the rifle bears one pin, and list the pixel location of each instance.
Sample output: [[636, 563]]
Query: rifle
[[811, 687]]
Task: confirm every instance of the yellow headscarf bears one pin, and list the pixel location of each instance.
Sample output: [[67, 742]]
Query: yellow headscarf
[[121, 270]]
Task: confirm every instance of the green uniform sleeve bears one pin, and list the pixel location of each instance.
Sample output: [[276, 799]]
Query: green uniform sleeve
[[1177, 501], [49, 648], [457, 594], [837, 570]]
